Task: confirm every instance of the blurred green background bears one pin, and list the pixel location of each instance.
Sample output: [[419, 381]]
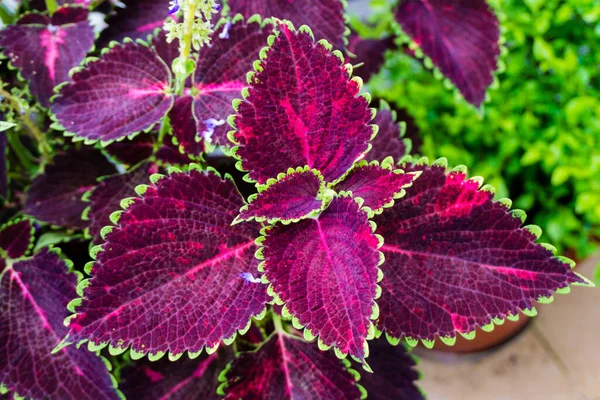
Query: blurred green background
[[537, 138]]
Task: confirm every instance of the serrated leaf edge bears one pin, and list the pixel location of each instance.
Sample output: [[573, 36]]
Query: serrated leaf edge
[[495, 321]]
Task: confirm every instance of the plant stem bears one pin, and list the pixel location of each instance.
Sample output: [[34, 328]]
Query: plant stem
[[26, 120], [5, 16], [51, 5], [164, 128], [38, 136], [14, 103], [277, 322], [24, 156], [187, 38], [187, 43]]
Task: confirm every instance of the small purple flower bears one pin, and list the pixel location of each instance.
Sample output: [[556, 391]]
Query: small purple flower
[[174, 7], [210, 124], [217, 7], [225, 33], [248, 277]]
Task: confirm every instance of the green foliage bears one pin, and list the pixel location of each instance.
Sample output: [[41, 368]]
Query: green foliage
[[538, 137]]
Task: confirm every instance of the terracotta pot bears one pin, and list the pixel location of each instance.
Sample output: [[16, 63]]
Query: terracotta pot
[[486, 340]]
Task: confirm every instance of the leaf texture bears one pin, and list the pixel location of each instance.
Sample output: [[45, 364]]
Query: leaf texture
[[325, 272], [291, 197], [33, 299], [169, 276], [302, 106], [55, 195], [286, 367], [123, 92], [460, 37], [456, 259], [44, 48], [325, 17], [221, 72]]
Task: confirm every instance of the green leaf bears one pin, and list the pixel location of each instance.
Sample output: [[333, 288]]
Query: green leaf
[[5, 125]]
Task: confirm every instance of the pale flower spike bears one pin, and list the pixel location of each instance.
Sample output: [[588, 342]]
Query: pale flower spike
[[199, 30]]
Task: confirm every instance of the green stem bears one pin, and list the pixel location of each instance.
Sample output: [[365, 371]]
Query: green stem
[[187, 38], [165, 125], [277, 322], [5, 16], [189, 18], [51, 5], [14, 103], [26, 121], [17, 148], [38, 136]]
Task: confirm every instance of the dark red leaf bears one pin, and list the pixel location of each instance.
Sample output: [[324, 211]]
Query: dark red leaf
[[376, 185], [303, 107], [325, 17], [45, 48], [370, 53], [168, 52], [137, 20], [144, 147], [3, 165], [106, 197], [456, 259], [132, 151], [34, 294], [120, 94], [459, 36], [221, 74], [16, 238], [159, 280], [184, 127], [55, 195], [171, 154], [394, 374], [290, 197], [184, 379], [286, 367], [391, 140], [325, 271]]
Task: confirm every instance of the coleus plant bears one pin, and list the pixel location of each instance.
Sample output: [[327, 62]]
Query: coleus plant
[[342, 238]]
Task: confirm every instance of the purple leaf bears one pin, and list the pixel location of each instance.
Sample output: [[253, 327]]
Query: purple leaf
[[168, 52], [34, 294], [221, 74], [394, 373], [144, 147], [132, 151], [290, 197], [45, 48], [303, 107], [16, 238], [390, 140], [369, 52], [325, 271], [460, 37], [3, 165], [159, 280], [120, 94], [325, 17], [137, 20], [185, 128], [286, 367], [170, 153], [456, 259], [180, 380], [55, 195], [106, 197], [377, 185]]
